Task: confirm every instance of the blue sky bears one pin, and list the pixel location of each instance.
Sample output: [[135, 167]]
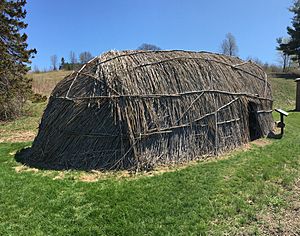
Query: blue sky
[[60, 26]]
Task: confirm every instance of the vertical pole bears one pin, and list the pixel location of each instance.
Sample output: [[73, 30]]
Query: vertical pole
[[216, 134], [282, 124], [216, 126]]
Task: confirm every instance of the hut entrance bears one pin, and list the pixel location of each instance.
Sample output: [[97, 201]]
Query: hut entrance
[[254, 126]]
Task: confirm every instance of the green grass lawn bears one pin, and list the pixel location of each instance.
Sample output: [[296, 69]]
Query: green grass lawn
[[228, 196]]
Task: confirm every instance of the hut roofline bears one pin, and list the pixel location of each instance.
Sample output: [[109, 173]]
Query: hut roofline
[[144, 61], [135, 52]]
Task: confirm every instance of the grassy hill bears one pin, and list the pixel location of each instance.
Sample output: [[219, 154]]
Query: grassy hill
[[44, 82], [284, 92], [254, 190]]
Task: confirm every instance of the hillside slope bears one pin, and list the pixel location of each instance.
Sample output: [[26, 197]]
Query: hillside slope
[[44, 82], [284, 92]]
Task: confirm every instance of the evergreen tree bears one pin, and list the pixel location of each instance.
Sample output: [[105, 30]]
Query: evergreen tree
[[15, 88], [62, 64], [292, 47]]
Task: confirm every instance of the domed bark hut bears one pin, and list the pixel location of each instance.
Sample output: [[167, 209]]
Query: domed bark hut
[[137, 109]]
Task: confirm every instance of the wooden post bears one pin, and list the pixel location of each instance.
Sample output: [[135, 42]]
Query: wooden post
[[298, 95], [281, 124]]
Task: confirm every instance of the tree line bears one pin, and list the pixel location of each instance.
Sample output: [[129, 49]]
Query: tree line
[[73, 63], [76, 62]]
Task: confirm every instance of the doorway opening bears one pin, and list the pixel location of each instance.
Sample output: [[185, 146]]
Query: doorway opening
[[254, 126]]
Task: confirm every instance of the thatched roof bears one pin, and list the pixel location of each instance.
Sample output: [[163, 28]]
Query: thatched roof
[[147, 73], [155, 100]]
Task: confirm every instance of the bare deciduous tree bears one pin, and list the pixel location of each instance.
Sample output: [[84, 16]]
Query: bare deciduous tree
[[255, 60], [54, 62], [73, 59], [229, 46], [36, 69], [149, 47], [84, 57]]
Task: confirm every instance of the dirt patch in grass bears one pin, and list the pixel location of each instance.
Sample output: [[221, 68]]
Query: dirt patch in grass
[[89, 178], [285, 221], [92, 176], [18, 136], [261, 142], [61, 175], [24, 168]]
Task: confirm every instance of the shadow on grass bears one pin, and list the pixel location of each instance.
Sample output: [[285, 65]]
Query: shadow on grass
[[45, 162], [23, 157], [273, 135]]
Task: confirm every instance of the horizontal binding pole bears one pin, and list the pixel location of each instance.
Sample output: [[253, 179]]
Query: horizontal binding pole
[[226, 137], [93, 135], [158, 132], [264, 111], [169, 131], [228, 121], [167, 95]]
